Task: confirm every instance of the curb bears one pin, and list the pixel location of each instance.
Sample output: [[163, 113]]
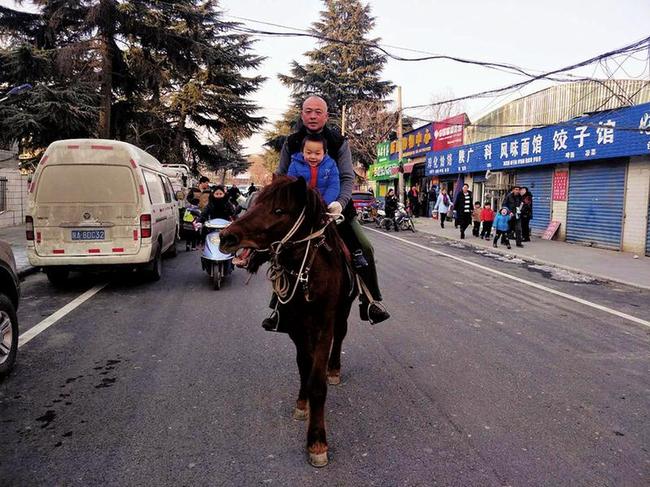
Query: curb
[[535, 260]]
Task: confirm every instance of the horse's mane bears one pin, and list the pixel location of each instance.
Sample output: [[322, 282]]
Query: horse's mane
[[287, 191]]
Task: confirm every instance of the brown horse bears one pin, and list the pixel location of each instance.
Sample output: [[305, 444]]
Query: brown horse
[[309, 269]]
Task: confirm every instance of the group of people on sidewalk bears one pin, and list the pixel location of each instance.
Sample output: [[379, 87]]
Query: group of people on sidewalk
[[512, 221]]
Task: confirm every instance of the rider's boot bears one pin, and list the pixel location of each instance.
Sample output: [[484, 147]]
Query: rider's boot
[[372, 312], [272, 322]]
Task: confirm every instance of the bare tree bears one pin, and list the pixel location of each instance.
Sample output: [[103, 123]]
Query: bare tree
[[440, 111], [367, 124]]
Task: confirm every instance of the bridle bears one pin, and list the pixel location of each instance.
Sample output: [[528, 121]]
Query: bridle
[[279, 274]]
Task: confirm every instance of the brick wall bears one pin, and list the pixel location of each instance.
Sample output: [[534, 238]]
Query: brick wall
[[637, 191], [16, 198]]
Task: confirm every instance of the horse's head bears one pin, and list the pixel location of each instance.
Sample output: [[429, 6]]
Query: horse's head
[[271, 218]]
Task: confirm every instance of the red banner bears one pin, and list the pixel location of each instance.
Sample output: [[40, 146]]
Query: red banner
[[560, 185], [448, 133]]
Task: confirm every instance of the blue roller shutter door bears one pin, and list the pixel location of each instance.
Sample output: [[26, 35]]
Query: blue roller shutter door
[[596, 203], [540, 183]]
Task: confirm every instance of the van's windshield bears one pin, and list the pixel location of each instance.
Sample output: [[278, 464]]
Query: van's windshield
[[77, 183]]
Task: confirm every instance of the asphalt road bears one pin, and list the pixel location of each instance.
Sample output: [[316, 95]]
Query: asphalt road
[[477, 380]]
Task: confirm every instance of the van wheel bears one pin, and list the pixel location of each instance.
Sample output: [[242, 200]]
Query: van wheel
[[155, 271], [8, 335], [57, 276]]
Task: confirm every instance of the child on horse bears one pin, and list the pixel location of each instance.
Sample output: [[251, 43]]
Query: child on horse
[[320, 172]]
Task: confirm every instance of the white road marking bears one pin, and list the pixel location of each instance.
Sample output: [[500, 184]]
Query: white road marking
[[600, 307], [57, 315]]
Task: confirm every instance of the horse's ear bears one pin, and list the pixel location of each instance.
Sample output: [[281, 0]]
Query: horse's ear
[[299, 188]]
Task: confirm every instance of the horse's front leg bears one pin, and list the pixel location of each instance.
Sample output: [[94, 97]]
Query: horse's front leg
[[316, 436], [303, 358], [334, 364]]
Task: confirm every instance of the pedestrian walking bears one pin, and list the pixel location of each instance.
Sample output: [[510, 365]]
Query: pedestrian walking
[[463, 207], [476, 219], [526, 213], [433, 198], [412, 196], [512, 201], [502, 227], [487, 217], [442, 206], [390, 208]]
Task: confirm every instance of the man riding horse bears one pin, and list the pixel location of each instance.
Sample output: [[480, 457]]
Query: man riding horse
[[314, 118]]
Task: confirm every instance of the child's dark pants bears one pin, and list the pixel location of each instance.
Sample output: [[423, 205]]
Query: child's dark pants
[[477, 229], [486, 230], [504, 237]]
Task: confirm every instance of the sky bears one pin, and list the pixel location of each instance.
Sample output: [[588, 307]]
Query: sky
[[533, 34]]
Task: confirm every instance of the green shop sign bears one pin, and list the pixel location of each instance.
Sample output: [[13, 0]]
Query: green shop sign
[[383, 152], [384, 170]]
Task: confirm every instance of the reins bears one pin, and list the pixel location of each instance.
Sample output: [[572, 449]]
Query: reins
[[279, 275]]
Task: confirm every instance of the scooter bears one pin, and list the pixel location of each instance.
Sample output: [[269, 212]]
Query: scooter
[[403, 218], [217, 264]]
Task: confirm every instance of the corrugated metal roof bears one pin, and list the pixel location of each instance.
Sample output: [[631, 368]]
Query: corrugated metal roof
[[557, 104]]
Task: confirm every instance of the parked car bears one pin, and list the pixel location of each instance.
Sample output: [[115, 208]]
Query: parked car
[[9, 299], [362, 199], [99, 203]]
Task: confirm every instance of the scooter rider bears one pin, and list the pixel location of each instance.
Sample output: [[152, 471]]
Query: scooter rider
[[314, 117], [218, 206]]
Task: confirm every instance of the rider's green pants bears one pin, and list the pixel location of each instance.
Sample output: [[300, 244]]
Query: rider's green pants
[[368, 274]]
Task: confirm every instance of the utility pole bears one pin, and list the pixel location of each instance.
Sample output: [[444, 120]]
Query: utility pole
[[343, 121], [400, 180]]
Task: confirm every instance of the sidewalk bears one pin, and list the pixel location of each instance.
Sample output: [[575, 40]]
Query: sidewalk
[[15, 236], [610, 265]]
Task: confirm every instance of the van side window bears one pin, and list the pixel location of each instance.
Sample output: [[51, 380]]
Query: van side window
[[155, 187], [167, 189]]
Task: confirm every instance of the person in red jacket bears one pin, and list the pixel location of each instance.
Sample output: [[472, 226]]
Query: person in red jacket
[[487, 217]]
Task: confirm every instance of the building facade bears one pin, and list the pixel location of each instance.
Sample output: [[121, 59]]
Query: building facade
[[590, 174]]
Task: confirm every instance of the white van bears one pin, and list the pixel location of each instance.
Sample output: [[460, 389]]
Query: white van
[[96, 202]]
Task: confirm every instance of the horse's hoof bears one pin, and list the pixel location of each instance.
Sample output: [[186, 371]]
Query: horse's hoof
[[300, 414], [318, 459], [334, 380]]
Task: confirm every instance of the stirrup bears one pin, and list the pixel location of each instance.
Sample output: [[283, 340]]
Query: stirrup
[[381, 307], [274, 316]]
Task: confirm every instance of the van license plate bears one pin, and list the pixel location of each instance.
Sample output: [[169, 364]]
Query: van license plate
[[88, 234]]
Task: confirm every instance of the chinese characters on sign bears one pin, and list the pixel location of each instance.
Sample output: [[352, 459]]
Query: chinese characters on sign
[[560, 185], [415, 142], [382, 171], [614, 133], [448, 133], [383, 152]]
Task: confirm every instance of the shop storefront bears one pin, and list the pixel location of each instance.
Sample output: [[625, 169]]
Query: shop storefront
[[594, 154], [384, 175]]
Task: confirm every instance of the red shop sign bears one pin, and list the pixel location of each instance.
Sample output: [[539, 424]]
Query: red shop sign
[[448, 133], [560, 185]]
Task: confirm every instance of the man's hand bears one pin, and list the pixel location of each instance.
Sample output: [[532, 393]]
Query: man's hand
[[335, 208]]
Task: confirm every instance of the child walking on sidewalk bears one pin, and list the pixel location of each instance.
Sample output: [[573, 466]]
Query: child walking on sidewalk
[[476, 218], [501, 225], [487, 217]]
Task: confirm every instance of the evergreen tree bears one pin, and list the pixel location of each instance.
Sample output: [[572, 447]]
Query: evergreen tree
[[166, 74], [344, 70]]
